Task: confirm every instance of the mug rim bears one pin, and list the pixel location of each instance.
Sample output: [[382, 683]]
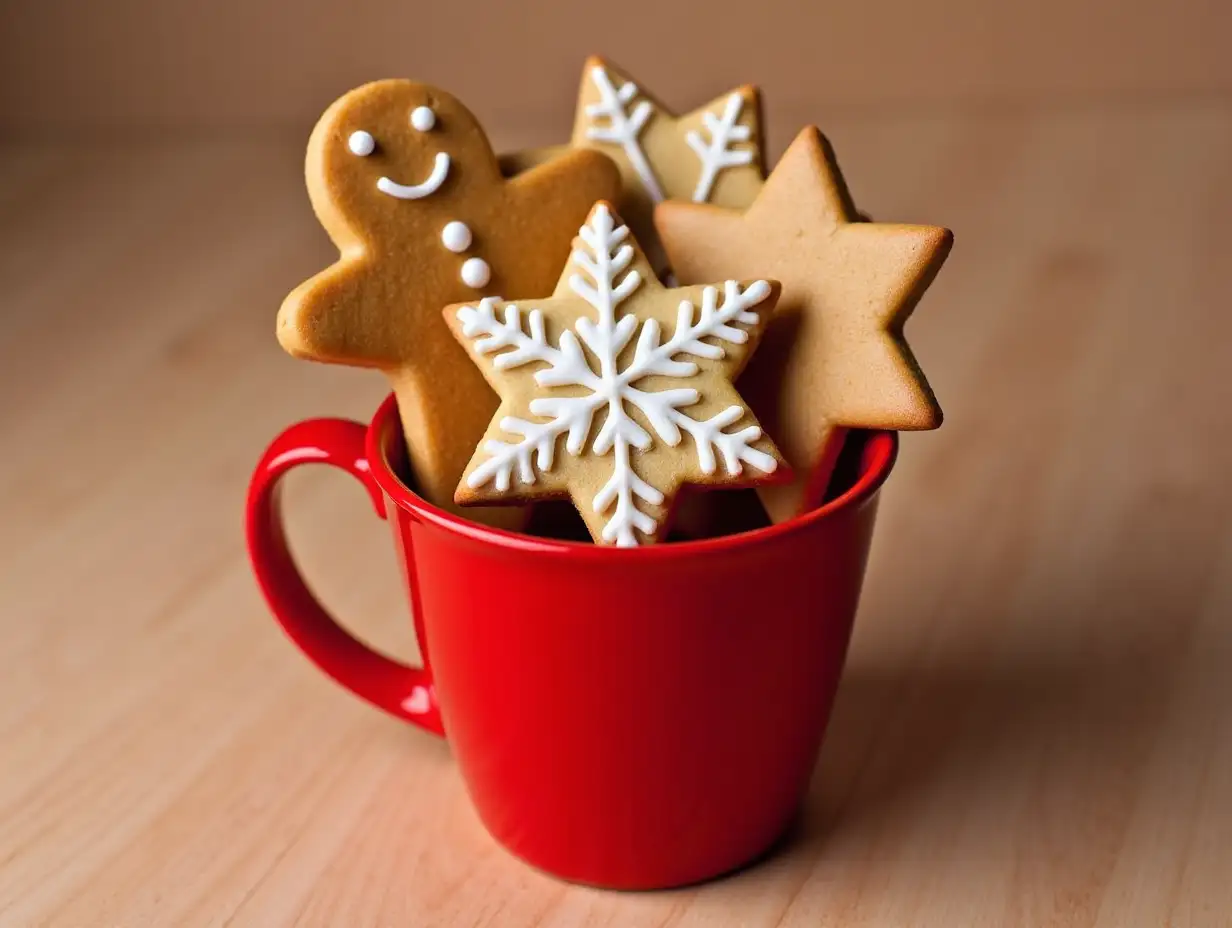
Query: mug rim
[[865, 485]]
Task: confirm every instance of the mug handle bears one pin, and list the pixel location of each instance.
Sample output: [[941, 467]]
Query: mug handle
[[403, 691]]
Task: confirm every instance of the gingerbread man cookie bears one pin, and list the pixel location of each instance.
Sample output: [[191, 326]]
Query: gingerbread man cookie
[[403, 179], [634, 380], [835, 356], [711, 155]]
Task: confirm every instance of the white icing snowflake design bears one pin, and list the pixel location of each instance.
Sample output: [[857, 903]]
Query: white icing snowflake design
[[605, 260], [623, 126], [717, 153]]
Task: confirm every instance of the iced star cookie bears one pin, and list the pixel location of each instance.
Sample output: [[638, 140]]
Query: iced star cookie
[[711, 155], [616, 391], [403, 179], [835, 356]]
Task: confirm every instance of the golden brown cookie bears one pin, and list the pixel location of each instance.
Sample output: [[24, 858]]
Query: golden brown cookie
[[403, 179], [711, 155], [834, 355], [616, 391]]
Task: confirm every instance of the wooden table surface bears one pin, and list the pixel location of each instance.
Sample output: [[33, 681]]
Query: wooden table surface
[[1035, 726]]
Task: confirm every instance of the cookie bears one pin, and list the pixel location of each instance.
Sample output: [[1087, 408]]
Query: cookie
[[711, 155], [835, 356], [616, 391], [404, 181]]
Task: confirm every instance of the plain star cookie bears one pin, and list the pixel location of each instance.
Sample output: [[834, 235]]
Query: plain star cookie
[[835, 356], [404, 181], [712, 155], [633, 379]]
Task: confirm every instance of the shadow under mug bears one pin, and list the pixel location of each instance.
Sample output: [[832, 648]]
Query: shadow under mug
[[627, 718]]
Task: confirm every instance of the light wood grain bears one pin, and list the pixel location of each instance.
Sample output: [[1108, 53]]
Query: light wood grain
[[1035, 727]]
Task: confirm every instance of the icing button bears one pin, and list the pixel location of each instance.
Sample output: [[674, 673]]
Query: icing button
[[476, 273], [456, 236]]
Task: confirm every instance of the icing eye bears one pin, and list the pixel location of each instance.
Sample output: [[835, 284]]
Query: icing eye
[[361, 143], [422, 118]]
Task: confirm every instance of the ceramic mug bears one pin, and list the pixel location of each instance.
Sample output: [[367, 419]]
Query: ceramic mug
[[627, 718]]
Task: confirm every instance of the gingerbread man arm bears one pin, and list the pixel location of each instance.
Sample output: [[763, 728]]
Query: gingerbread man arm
[[337, 316], [555, 198]]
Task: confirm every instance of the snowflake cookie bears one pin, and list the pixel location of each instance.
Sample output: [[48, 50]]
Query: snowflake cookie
[[713, 154], [634, 380]]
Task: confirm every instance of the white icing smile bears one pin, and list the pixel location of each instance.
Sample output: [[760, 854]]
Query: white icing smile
[[440, 170]]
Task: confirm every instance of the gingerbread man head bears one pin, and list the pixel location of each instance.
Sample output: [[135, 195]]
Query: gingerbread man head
[[393, 155], [404, 180]]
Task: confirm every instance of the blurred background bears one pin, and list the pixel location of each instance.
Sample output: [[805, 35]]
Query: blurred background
[[237, 67], [240, 68], [1036, 722]]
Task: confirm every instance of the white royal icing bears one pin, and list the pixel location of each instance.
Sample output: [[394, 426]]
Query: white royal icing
[[440, 170], [456, 236], [361, 143], [476, 273], [623, 128], [422, 118], [604, 260], [716, 155]]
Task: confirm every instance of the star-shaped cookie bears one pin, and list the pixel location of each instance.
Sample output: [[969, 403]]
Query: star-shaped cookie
[[403, 179], [616, 391], [835, 355], [712, 155]]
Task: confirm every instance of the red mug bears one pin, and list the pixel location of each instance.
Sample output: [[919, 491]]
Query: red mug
[[627, 718]]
